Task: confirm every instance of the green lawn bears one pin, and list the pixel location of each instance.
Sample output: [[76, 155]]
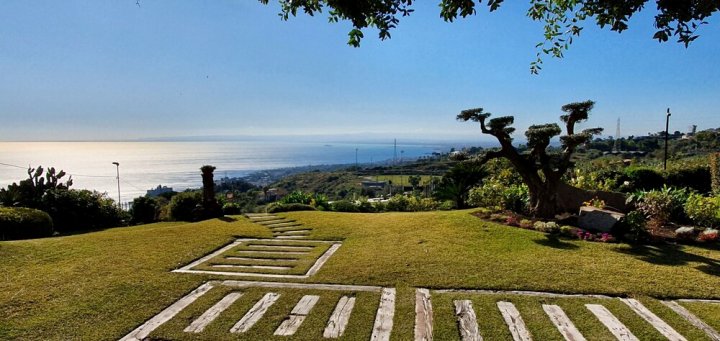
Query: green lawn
[[101, 285]]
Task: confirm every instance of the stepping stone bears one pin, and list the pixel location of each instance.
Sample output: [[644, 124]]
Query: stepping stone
[[250, 215], [290, 228], [514, 321], [262, 260], [255, 313], [263, 252], [655, 321], [283, 224], [563, 323], [339, 319], [275, 222], [423, 315], [291, 232], [140, 333], [209, 315], [467, 321], [384, 318], [291, 237], [616, 327], [694, 320], [264, 267], [280, 247], [290, 325]]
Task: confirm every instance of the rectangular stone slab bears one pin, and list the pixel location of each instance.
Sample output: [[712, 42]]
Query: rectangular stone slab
[[617, 328], [255, 313], [209, 315], [423, 315], [339, 319], [385, 314], [467, 321], [563, 323], [514, 321], [653, 319]]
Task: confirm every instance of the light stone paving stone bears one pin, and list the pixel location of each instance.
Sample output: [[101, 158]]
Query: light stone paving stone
[[211, 314], [514, 321], [653, 319], [264, 252], [146, 328], [274, 222], [291, 237], [467, 321], [423, 315], [617, 328], [339, 319], [324, 258], [563, 323], [291, 232], [385, 314], [694, 320], [262, 260], [265, 267], [280, 247], [255, 313], [290, 325]]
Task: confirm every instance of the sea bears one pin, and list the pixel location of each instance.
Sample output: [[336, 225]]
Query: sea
[[146, 165]]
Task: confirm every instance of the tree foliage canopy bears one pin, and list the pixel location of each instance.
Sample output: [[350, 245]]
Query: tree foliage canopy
[[562, 19]]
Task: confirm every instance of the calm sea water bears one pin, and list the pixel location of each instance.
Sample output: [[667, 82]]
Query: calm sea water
[[144, 165]]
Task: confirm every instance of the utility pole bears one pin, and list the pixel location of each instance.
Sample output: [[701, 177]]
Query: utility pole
[[117, 167], [667, 126]]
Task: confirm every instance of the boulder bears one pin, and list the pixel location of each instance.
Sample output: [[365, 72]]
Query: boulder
[[596, 219]]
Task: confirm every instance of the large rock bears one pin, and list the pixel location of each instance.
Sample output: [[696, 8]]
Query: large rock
[[596, 219]]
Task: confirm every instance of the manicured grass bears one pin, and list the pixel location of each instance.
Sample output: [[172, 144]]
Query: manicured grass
[[101, 285]]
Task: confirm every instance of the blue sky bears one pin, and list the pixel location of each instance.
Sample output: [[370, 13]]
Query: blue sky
[[99, 70]]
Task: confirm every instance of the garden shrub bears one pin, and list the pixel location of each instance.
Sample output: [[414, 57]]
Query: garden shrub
[[398, 203], [417, 204], [75, 210], [662, 206], [696, 178], [297, 197], [550, 227], [644, 178], [280, 207], [186, 206], [703, 211], [568, 231], [496, 196], [632, 227], [144, 210], [231, 208], [715, 173], [23, 223], [526, 224], [344, 206], [446, 205]]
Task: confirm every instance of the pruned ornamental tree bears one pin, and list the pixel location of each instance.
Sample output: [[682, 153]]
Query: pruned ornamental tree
[[540, 170], [562, 19]]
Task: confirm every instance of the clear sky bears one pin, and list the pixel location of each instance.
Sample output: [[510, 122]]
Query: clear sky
[[108, 69]]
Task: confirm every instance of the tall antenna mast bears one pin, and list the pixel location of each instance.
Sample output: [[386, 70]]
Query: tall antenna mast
[[616, 146]]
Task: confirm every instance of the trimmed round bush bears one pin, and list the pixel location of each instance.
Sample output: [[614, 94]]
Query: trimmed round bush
[[231, 208], [644, 178], [344, 206], [24, 223], [279, 207], [144, 210], [186, 206]]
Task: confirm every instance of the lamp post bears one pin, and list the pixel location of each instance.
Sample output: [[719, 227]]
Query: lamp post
[[117, 167], [667, 126]]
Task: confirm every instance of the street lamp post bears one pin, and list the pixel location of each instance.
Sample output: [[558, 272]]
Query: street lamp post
[[117, 167], [667, 126]]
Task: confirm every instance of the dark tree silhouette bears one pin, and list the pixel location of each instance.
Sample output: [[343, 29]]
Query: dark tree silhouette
[[541, 171], [457, 182], [211, 208], [562, 19]]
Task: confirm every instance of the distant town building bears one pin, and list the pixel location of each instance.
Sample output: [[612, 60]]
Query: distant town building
[[374, 184], [158, 190]]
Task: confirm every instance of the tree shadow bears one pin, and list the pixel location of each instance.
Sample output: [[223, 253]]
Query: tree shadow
[[672, 255], [227, 219], [555, 243]]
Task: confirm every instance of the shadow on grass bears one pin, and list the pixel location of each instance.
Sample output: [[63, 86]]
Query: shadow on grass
[[673, 255], [227, 219], [556, 243]]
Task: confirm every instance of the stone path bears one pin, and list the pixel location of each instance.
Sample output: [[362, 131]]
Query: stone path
[[282, 257]]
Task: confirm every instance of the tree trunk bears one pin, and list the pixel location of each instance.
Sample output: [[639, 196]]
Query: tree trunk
[[543, 200]]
